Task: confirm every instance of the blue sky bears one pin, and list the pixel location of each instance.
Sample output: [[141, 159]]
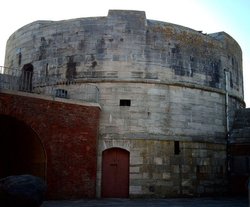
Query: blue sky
[[231, 16]]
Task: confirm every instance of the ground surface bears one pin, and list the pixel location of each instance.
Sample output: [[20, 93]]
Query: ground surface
[[180, 202]]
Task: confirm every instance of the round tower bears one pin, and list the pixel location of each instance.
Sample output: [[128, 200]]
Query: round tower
[[168, 95]]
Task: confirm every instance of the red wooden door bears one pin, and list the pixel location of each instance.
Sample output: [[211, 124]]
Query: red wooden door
[[115, 173]]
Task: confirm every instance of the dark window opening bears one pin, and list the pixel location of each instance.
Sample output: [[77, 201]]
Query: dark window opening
[[25, 82], [19, 58], [177, 147], [125, 102], [197, 169], [151, 188]]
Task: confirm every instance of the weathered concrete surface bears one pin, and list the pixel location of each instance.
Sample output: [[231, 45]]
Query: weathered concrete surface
[[125, 45], [156, 171], [174, 78]]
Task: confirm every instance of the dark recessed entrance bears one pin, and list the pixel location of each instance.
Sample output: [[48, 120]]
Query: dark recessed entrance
[[115, 173], [25, 83], [21, 151]]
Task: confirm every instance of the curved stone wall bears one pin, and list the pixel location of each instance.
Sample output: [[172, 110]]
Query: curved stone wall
[[125, 45], [159, 84], [161, 112]]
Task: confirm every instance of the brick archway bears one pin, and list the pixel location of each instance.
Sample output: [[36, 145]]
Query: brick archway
[[115, 173], [68, 132], [21, 151]]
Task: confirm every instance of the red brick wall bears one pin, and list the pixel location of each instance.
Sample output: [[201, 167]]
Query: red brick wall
[[68, 133]]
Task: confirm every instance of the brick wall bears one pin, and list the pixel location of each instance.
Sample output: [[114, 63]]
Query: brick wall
[[68, 133]]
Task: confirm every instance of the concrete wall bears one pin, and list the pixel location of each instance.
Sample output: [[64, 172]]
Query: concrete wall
[[174, 77], [161, 112], [158, 116], [125, 45]]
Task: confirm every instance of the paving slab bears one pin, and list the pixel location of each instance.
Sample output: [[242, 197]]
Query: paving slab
[[177, 202]]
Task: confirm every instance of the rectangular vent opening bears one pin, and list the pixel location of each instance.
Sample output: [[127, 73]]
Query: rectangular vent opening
[[125, 102]]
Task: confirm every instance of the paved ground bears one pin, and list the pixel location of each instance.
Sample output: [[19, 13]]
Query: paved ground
[[180, 202]]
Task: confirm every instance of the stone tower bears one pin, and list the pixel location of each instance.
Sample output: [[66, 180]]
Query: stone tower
[[168, 95]]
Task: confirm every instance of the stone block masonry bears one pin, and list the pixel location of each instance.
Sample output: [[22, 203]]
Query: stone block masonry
[[157, 170], [168, 95]]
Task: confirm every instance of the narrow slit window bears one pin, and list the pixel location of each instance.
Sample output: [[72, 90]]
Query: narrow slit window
[[177, 147], [125, 102]]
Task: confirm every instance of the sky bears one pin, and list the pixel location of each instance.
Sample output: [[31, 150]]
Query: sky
[[209, 16]]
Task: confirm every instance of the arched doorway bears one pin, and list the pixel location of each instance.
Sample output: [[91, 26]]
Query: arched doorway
[[21, 151], [26, 78], [115, 173]]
